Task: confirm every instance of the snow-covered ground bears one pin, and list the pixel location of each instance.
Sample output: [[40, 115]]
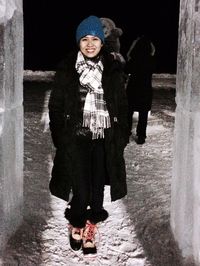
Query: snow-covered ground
[[166, 79], [137, 231]]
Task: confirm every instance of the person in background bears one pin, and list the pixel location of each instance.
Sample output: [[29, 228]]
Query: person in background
[[140, 67], [112, 39], [88, 123]]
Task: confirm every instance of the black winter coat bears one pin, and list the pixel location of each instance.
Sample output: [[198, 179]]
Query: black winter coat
[[63, 110], [140, 67]]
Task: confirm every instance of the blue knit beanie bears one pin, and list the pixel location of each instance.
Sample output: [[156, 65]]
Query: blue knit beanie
[[90, 26]]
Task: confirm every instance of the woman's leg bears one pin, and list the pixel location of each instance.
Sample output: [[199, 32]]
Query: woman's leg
[[142, 124], [77, 214], [97, 213]]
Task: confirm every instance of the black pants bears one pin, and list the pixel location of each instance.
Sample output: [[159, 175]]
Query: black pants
[[89, 180], [141, 124]]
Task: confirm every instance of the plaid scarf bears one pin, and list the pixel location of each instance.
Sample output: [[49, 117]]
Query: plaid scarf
[[95, 113]]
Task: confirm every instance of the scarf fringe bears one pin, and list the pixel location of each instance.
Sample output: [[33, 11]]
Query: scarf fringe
[[99, 134], [96, 124]]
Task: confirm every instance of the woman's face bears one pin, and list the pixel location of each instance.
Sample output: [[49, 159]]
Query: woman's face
[[90, 46]]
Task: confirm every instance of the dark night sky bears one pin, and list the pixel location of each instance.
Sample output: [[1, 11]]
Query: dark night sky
[[49, 28]]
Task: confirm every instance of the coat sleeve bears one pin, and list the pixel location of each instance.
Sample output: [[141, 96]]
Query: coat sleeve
[[122, 106], [56, 109]]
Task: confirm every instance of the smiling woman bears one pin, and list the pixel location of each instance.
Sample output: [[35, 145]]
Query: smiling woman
[[49, 29], [88, 124]]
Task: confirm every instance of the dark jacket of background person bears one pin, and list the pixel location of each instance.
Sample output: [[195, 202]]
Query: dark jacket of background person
[[140, 66], [64, 113]]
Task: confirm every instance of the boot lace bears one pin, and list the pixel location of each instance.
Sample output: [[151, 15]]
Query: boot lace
[[90, 231]]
